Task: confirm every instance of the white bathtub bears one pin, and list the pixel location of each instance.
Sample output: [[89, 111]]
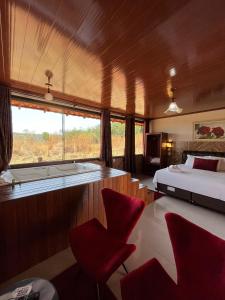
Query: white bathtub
[[52, 171]]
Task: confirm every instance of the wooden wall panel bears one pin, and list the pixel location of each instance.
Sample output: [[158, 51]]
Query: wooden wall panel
[[118, 163], [36, 227]]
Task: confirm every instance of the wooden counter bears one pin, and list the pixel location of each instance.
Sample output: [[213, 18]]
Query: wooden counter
[[35, 217], [53, 184]]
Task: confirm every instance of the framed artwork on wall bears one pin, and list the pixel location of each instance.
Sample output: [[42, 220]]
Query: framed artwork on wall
[[209, 130]]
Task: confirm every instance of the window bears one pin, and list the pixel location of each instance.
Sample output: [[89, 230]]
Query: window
[[118, 136], [139, 131], [50, 136], [82, 137]]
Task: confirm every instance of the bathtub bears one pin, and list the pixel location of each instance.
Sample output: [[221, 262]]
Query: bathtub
[[14, 176]]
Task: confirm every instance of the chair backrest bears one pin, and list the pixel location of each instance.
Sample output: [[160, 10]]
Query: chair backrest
[[199, 256], [122, 213]]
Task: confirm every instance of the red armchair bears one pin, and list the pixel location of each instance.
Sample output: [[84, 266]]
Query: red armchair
[[200, 262], [100, 251]]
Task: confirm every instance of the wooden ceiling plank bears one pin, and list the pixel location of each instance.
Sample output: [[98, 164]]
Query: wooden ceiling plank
[[4, 43], [141, 39]]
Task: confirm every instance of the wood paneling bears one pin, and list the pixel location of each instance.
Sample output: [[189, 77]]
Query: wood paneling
[[118, 163], [35, 217], [117, 53]]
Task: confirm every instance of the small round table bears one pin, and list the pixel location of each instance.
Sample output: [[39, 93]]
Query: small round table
[[46, 289]]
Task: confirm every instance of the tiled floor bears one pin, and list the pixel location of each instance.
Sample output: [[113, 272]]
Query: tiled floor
[[150, 236], [147, 180]]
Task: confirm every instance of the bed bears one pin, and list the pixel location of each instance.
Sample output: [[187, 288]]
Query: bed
[[205, 188]]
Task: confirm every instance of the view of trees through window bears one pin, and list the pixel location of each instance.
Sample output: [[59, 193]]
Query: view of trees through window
[[139, 131], [82, 141], [118, 137], [39, 136], [49, 136]]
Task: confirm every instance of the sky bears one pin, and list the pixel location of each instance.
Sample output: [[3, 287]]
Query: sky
[[38, 121]]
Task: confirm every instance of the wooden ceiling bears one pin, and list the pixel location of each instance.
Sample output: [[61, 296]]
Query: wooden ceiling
[[117, 53]]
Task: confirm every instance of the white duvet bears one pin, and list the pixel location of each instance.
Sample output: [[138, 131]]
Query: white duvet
[[208, 183]]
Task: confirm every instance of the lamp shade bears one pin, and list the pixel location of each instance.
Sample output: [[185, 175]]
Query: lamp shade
[[48, 96], [169, 144], [173, 107]]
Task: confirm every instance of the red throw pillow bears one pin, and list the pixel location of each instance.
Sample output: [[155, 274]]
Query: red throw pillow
[[205, 164]]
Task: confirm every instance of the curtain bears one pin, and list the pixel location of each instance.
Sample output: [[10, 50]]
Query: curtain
[[129, 163], [6, 136], [146, 130], [106, 140], [146, 125]]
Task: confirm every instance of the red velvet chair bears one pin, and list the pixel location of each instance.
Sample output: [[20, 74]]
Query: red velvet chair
[[100, 251], [200, 262]]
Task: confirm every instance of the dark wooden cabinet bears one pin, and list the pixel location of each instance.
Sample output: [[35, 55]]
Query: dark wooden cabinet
[[156, 154]]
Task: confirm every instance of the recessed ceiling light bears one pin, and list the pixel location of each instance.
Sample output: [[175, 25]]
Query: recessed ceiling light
[[172, 72]]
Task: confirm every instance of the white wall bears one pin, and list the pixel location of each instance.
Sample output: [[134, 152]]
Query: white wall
[[180, 128]]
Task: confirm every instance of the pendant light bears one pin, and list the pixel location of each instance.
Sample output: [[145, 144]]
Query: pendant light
[[173, 107], [48, 95]]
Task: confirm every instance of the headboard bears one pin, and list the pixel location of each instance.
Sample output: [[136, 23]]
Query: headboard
[[201, 153]]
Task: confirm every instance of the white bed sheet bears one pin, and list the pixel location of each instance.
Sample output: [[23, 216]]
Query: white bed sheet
[[208, 183]]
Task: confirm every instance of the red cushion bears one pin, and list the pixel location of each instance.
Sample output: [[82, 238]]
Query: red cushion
[[97, 253], [205, 164], [149, 282], [199, 257]]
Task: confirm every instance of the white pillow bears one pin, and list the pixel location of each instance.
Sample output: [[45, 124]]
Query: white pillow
[[189, 161], [221, 163]]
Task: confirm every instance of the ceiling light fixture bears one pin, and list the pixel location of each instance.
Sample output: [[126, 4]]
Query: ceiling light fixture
[[173, 107], [48, 95]]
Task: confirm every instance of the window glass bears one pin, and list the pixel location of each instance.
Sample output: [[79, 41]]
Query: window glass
[[118, 137], [139, 130], [82, 137], [48, 136], [37, 136]]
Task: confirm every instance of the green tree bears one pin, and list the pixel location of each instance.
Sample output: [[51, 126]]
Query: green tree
[[45, 136]]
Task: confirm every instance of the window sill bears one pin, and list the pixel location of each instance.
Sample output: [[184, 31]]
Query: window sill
[[49, 163]]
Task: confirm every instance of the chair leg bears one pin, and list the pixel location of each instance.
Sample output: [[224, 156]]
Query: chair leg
[[124, 268], [98, 292]]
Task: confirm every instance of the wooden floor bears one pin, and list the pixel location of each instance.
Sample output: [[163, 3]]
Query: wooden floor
[[35, 217]]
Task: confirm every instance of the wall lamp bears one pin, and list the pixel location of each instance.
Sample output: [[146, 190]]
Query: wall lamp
[[169, 146]]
